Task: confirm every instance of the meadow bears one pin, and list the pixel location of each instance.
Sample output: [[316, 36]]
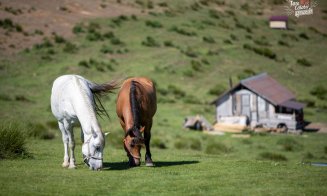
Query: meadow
[[190, 49]]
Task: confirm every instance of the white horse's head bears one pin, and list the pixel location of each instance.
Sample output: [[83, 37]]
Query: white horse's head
[[92, 151]]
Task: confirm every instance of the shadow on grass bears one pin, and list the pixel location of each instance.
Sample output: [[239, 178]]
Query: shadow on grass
[[124, 165]]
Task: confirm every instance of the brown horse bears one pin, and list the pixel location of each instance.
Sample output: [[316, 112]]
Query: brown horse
[[136, 106]]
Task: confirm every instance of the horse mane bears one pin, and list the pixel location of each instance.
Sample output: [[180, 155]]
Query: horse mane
[[99, 90], [135, 107]]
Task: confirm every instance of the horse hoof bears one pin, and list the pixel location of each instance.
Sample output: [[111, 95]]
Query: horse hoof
[[64, 164], [72, 167], [149, 164]]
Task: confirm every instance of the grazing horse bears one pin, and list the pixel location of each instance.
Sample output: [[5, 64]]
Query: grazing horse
[[136, 106], [72, 102]]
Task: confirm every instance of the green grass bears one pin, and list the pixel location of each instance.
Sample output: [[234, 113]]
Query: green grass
[[185, 52], [177, 172]]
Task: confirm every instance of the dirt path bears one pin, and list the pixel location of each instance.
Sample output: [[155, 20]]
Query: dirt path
[[39, 19]]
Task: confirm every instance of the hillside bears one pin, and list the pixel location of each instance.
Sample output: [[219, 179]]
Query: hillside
[[190, 48]]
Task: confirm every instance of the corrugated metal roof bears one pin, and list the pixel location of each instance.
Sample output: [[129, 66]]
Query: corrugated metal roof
[[293, 104], [268, 88]]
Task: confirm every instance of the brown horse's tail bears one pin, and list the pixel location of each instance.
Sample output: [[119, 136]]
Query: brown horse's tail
[[100, 90], [135, 107]]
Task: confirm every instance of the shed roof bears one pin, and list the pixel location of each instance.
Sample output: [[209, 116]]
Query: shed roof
[[278, 18], [269, 89]]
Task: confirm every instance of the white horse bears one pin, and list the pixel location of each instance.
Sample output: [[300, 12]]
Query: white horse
[[73, 102]]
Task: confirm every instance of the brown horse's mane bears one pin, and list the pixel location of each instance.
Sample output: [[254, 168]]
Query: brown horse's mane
[[135, 108]]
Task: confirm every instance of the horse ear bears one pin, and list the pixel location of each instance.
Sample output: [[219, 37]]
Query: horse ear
[[105, 134]]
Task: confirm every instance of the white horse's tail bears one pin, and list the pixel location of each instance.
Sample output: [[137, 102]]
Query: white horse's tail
[[100, 90]]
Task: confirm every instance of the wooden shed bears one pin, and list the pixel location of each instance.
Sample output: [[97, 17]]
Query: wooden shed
[[260, 101], [278, 22]]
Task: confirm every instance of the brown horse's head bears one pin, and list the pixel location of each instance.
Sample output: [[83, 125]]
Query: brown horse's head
[[132, 143]]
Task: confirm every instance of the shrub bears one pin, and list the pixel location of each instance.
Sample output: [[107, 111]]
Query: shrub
[[70, 48], [196, 65], [176, 91], [218, 89], [116, 41], [78, 28], [182, 31], [304, 36], [190, 52], [209, 39], [94, 36], [246, 73], [45, 44], [214, 14], [168, 44], [12, 141], [283, 43], [150, 42], [272, 156], [227, 41], [261, 51], [188, 73], [217, 148], [153, 24], [304, 62], [109, 35], [106, 49], [191, 100], [320, 92], [325, 149]]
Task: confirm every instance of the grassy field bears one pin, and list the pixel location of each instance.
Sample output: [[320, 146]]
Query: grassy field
[[190, 49]]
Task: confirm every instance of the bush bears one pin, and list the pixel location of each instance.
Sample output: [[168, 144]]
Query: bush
[[246, 73], [209, 39], [325, 149], [12, 141], [214, 14], [304, 62], [190, 52], [70, 48], [283, 43], [116, 41], [153, 24], [78, 28], [168, 43], [320, 92], [188, 73], [176, 91], [304, 36], [272, 156], [182, 31], [261, 51], [58, 39], [191, 100], [217, 148], [196, 65], [150, 42], [218, 89]]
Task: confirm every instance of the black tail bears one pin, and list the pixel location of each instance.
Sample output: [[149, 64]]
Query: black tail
[[99, 90], [135, 107]]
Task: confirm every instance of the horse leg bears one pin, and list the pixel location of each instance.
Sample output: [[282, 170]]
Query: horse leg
[[65, 140], [69, 129], [147, 137]]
